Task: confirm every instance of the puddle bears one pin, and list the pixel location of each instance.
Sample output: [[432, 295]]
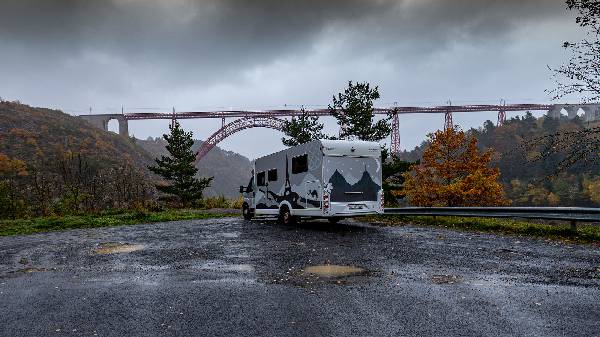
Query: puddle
[[227, 268], [117, 247], [241, 268], [226, 235], [332, 270], [32, 270], [445, 279], [233, 235]]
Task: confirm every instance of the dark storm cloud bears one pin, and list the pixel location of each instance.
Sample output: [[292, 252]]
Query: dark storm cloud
[[204, 54], [202, 41], [211, 36]]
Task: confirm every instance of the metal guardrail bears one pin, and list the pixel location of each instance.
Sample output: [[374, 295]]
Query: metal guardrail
[[571, 214]]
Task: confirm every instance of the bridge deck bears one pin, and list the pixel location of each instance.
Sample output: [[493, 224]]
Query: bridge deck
[[326, 112]]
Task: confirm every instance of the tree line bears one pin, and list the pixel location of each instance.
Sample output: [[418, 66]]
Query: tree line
[[539, 163], [72, 183]]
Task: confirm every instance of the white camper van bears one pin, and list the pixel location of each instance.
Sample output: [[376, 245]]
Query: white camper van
[[323, 179]]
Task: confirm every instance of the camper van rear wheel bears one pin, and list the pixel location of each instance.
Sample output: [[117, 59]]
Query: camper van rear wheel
[[246, 213], [285, 217]]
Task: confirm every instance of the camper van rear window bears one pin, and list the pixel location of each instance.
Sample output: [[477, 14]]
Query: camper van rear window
[[300, 164], [260, 179], [272, 175]]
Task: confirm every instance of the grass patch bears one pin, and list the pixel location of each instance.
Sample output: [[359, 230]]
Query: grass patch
[[585, 233], [47, 224]]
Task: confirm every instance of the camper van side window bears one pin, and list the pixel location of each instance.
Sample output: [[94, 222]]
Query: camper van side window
[[272, 175], [300, 164], [260, 179]]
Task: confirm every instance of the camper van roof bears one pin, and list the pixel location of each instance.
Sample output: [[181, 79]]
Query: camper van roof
[[354, 148], [357, 148]]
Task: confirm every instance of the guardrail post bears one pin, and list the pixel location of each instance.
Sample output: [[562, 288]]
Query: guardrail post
[[574, 225]]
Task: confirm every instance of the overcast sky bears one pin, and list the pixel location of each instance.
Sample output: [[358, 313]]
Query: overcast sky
[[151, 55]]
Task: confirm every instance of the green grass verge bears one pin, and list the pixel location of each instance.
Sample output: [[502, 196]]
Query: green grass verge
[[584, 234], [47, 224]]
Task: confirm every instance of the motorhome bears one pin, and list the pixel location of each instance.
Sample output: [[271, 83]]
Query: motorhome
[[330, 179]]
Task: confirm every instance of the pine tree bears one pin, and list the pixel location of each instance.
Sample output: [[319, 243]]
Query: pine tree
[[454, 173], [393, 178], [178, 168], [354, 112], [302, 129]]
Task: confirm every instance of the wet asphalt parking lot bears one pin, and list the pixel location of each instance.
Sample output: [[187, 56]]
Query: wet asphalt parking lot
[[229, 277]]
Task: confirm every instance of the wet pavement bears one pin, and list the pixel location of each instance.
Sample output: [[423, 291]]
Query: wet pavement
[[229, 277]]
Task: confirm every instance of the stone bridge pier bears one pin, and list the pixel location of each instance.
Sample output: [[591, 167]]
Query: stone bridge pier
[[591, 111], [101, 122]]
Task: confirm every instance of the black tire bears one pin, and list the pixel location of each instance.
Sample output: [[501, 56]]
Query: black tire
[[285, 216], [246, 212]]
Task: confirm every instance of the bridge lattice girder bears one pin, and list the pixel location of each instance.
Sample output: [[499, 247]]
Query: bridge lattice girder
[[267, 118], [327, 112], [237, 126]]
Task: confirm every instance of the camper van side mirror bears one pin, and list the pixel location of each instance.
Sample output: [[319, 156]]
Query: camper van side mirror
[[242, 189]]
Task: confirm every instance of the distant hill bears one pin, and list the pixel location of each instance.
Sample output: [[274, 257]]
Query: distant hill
[[229, 169], [38, 135]]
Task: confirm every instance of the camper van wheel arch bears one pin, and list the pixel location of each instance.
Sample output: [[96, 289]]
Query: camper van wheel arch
[[285, 216], [246, 212]]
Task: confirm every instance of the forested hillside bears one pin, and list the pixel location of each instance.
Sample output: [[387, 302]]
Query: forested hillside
[[528, 180], [229, 169], [41, 136], [54, 163]]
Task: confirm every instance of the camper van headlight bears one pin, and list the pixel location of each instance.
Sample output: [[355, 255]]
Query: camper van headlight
[[326, 203]]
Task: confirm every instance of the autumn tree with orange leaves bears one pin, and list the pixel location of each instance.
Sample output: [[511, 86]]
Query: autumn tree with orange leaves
[[454, 173], [11, 170]]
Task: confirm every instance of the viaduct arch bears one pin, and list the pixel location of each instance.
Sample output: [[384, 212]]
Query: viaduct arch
[[237, 126], [591, 111], [101, 122]]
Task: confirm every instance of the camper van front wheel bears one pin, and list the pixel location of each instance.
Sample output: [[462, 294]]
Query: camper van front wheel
[[246, 212]]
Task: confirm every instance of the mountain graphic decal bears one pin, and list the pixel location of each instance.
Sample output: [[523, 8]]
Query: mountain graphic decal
[[364, 190]]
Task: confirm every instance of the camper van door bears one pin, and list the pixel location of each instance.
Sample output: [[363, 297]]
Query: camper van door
[[313, 193]]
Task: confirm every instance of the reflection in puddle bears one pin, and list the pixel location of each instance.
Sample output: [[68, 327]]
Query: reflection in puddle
[[226, 235], [230, 235], [227, 268], [32, 270], [446, 279], [242, 268], [332, 270], [117, 247]]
